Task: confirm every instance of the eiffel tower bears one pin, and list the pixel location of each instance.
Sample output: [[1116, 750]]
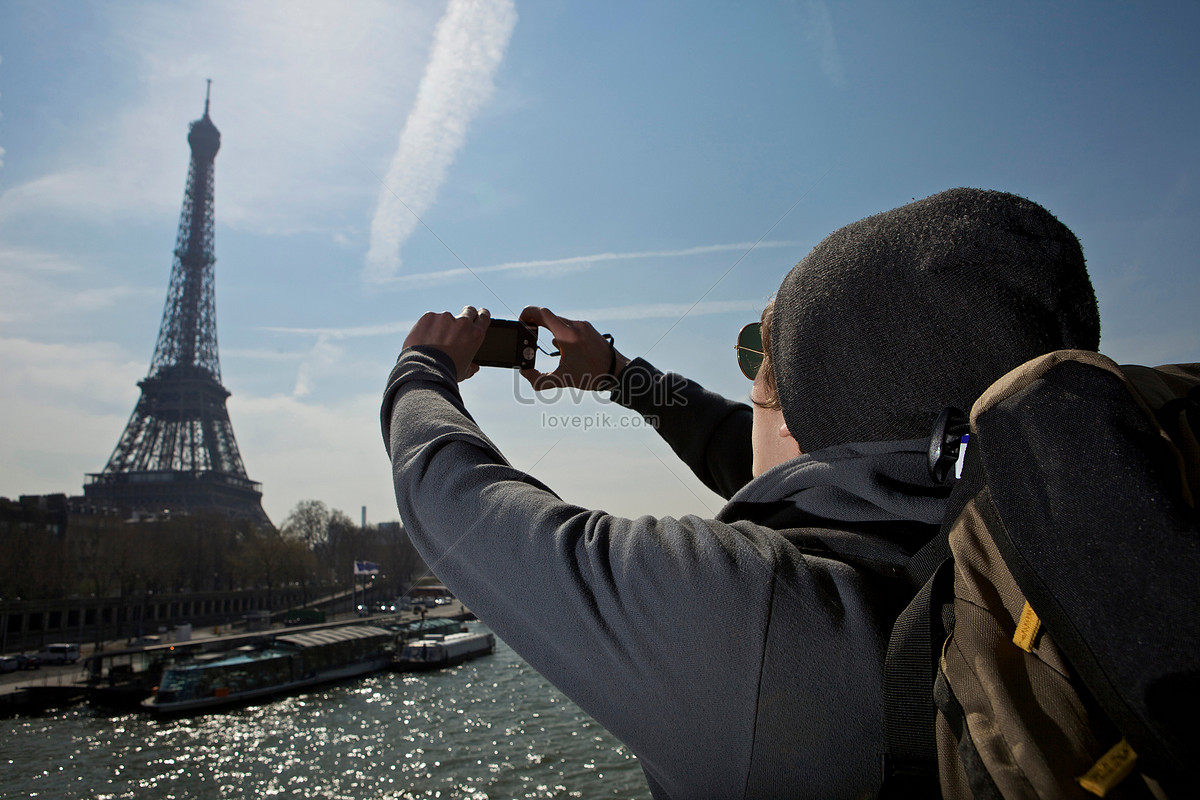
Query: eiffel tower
[[178, 453]]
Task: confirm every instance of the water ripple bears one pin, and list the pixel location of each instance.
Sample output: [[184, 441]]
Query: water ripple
[[490, 729]]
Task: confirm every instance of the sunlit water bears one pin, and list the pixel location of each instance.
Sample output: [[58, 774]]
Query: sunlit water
[[490, 728]]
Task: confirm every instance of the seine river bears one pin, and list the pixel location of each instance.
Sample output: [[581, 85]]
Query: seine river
[[489, 728]]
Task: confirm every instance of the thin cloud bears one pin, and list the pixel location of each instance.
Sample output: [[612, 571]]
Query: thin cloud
[[40, 286], [338, 458], [353, 332], [640, 311], [570, 264], [79, 372], [1, 148], [820, 34], [468, 47], [91, 383], [260, 354], [324, 355], [34, 261], [665, 310]]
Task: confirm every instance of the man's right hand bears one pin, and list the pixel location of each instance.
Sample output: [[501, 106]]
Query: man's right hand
[[585, 355]]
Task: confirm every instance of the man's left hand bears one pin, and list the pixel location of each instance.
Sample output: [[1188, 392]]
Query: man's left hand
[[458, 337]]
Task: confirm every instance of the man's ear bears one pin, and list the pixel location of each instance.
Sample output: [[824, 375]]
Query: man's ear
[[784, 433]]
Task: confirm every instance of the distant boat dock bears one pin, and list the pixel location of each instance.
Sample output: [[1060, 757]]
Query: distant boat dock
[[122, 676]]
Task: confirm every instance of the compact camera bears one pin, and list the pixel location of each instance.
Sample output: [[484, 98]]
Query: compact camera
[[508, 343]]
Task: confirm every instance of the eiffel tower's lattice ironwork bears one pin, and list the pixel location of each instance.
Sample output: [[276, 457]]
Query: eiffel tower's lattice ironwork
[[178, 452]]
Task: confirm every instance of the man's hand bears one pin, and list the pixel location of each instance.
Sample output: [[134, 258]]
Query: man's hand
[[586, 355], [458, 337]]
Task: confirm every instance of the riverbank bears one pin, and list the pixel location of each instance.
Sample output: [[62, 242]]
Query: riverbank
[[61, 685]]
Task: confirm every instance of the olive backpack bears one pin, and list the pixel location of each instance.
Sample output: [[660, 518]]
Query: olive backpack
[[1053, 647]]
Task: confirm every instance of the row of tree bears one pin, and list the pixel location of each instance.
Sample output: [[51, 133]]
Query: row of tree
[[48, 555]]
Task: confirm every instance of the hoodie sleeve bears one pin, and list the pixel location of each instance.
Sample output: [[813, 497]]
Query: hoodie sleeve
[[656, 627], [709, 433]]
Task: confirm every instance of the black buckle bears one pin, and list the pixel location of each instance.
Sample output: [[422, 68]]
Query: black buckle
[[944, 443]]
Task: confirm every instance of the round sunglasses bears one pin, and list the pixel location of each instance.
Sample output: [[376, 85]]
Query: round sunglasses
[[749, 349]]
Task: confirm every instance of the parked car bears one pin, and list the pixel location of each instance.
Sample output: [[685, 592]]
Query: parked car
[[60, 653], [28, 660], [9, 664]]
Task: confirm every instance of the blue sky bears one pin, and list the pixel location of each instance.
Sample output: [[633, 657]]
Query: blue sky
[[615, 161]]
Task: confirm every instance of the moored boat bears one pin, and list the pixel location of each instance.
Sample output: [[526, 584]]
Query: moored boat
[[434, 625], [286, 664], [437, 651]]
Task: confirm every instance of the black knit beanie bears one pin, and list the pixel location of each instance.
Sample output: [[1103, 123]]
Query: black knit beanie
[[891, 319]]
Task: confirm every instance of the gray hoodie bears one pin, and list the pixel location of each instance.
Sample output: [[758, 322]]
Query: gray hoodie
[[728, 655]]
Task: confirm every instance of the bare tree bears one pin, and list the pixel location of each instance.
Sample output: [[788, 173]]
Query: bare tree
[[309, 523]]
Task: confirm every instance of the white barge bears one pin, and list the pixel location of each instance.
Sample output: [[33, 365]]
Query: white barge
[[287, 664], [436, 651]]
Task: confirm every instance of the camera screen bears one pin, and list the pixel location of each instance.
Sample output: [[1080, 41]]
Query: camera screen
[[500, 344]]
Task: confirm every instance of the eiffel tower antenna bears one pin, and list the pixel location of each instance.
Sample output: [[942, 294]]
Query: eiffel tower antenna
[[178, 452]]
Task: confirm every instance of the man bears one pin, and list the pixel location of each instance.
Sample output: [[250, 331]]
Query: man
[[735, 656]]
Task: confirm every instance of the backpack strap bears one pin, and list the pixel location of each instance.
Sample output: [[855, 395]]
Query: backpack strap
[[910, 766]]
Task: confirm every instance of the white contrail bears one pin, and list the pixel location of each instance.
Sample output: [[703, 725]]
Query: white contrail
[[467, 49], [820, 35], [553, 266], [1, 148], [672, 311]]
